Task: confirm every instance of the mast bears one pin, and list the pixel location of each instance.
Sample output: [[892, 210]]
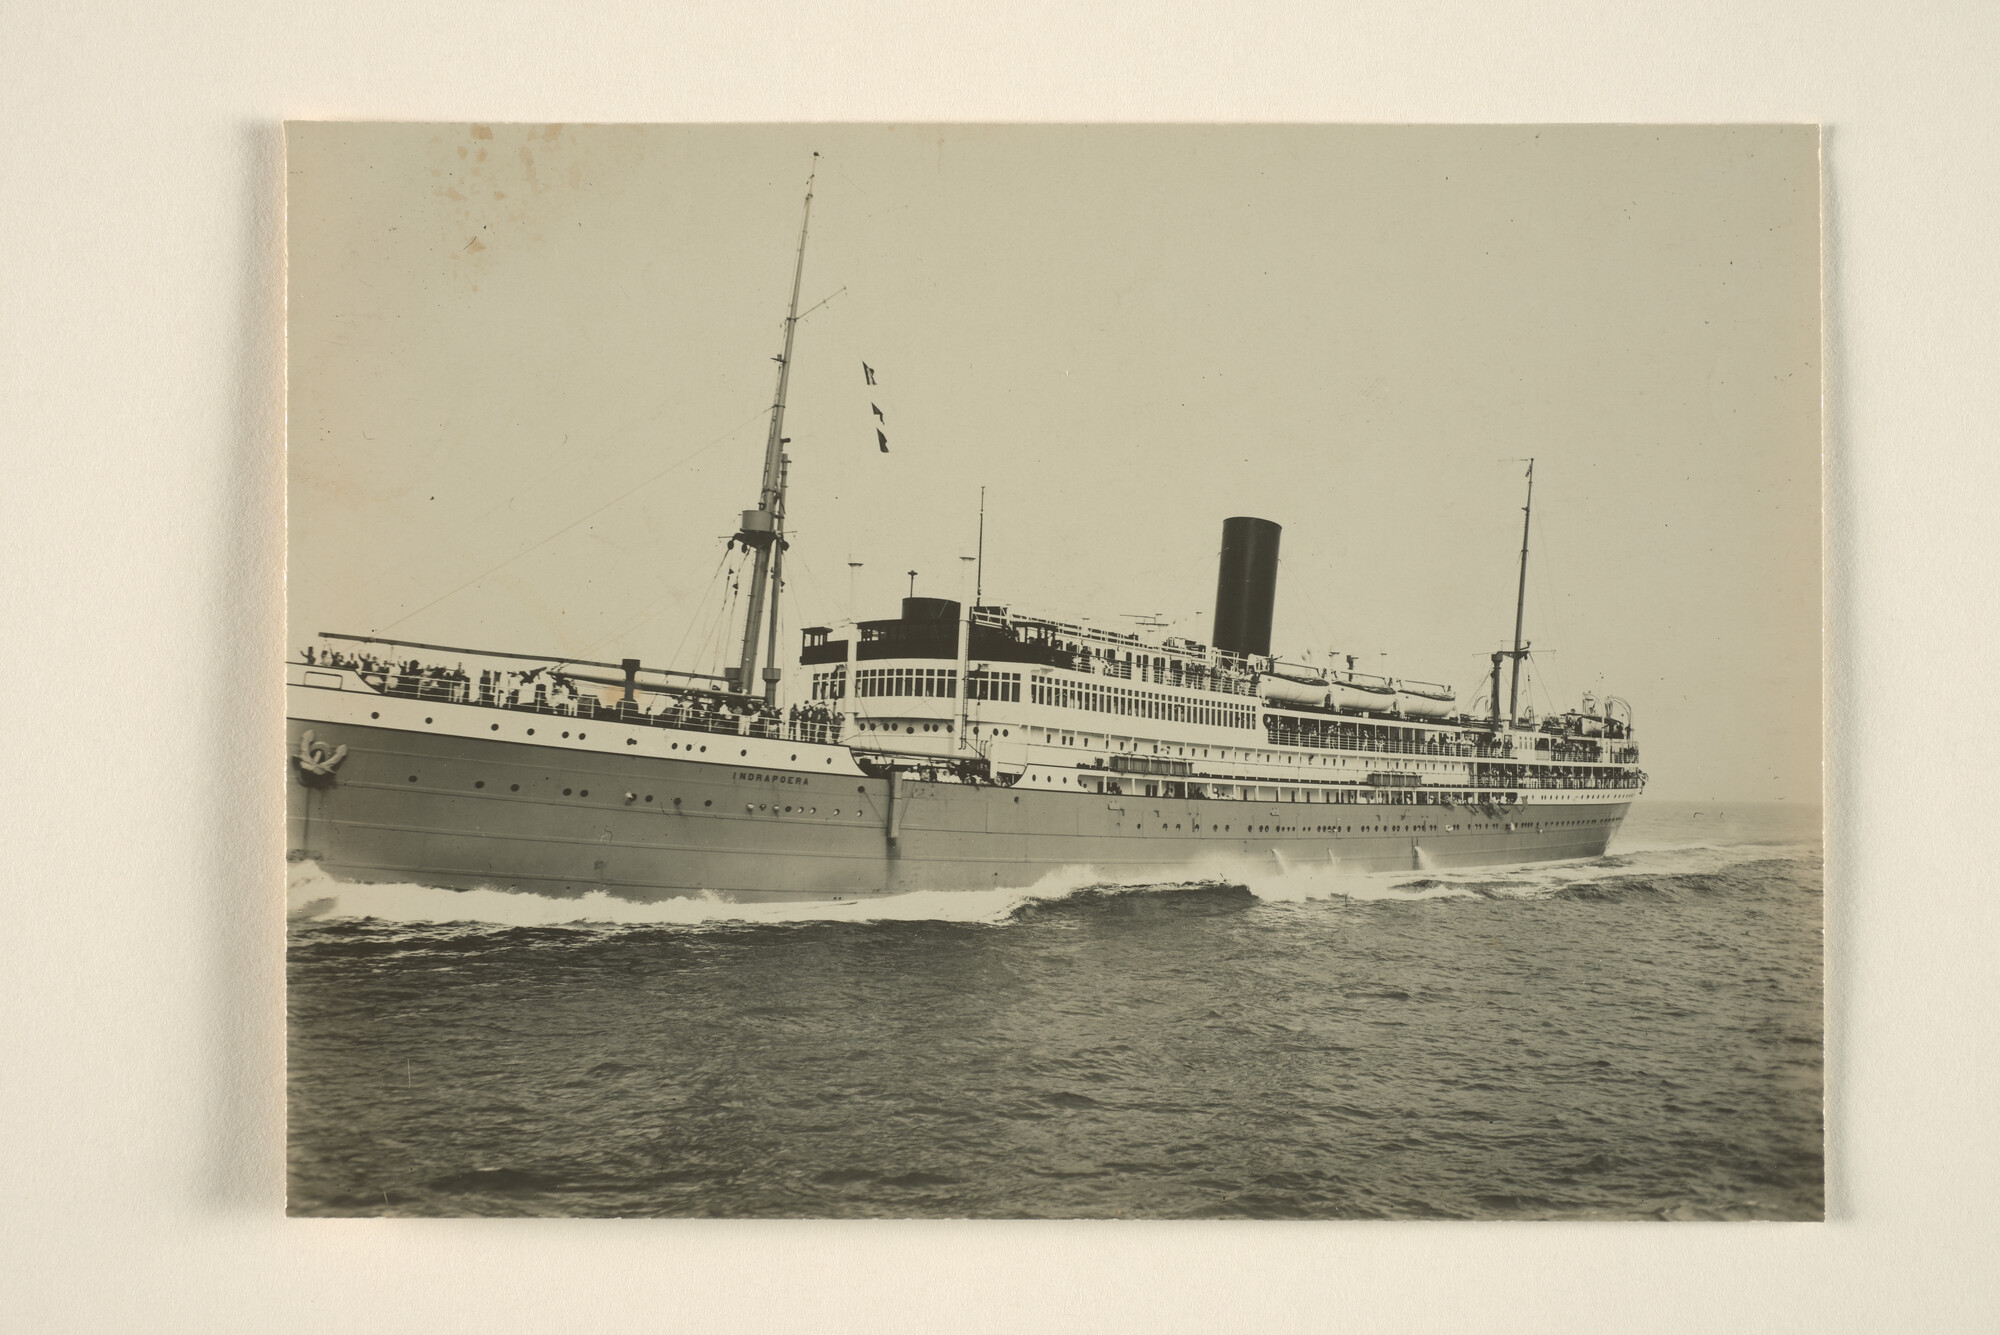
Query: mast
[[763, 527], [1520, 605], [979, 562], [965, 649], [771, 669], [965, 626]]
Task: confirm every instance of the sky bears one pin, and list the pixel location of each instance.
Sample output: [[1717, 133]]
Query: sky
[[530, 373]]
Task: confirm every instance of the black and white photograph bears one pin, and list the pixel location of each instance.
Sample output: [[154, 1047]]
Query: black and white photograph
[[877, 668], [1054, 672]]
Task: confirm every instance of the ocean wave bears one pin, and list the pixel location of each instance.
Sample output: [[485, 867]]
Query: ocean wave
[[1667, 865], [312, 895]]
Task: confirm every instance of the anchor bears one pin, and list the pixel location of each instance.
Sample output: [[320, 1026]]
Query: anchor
[[317, 761]]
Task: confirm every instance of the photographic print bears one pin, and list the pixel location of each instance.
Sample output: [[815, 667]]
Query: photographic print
[[1054, 672]]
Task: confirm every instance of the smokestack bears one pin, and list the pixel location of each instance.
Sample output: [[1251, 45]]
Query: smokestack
[[1246, 585]]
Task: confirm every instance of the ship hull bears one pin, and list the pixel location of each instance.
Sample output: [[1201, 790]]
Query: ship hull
[[434, 805]]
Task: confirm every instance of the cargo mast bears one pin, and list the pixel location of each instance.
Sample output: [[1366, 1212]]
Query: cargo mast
[[763, 528], [1520, 605]]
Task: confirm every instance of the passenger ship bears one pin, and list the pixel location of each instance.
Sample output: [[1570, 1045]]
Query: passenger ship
[[950, 747]]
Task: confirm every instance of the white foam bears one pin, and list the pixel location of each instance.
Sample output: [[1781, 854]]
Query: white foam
[[1295, 882], [312, 894]]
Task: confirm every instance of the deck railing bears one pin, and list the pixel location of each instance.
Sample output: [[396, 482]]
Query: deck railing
[[686, 716]]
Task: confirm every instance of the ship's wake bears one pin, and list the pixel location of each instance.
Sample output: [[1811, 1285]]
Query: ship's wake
[[311, 894], [314, 895], [1665, 866]]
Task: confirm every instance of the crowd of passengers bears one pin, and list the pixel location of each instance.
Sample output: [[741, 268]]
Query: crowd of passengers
[[545, 690]]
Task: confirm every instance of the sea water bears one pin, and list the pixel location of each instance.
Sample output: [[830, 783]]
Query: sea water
[[1632, 1036]]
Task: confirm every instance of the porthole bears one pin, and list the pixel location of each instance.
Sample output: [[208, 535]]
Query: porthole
[[513, 787], [704, 749], [413, 778], [531, 732], [496, 727], [565, 792], [427, 720], [705, 803], [795, 757], [863, 791], [375, 715], [742, 753], [649, 797], [584, 793], [675, 746], [479, 783], [631, 741], [580, 736], [565, 733]]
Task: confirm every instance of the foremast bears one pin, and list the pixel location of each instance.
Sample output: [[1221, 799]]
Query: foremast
[[763, 531], [1520, 649], [1521, 605]]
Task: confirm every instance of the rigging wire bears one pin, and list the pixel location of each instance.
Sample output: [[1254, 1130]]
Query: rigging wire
[[1557, 620], [645, 482], [712, 643], [818, 587], [654, 609], [694, 618], [568, 462]]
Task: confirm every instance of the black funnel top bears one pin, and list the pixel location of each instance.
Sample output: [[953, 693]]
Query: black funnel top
[[1246, 585]]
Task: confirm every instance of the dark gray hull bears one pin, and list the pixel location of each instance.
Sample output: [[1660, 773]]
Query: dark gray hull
[[467, 812]]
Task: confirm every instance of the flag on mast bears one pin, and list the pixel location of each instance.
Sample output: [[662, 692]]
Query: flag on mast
[[881, 440], [878, 414], [869, 372]]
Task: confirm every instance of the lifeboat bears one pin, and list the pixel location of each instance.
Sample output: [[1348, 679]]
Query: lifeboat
[[1373, 695], [1424, 700], [1283, 690]]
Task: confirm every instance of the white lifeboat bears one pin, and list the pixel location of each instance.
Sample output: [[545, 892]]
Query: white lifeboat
[[1286, 690], [1369, 693], [1423, 699]]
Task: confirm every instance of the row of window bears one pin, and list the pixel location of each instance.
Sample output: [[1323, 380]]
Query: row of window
[[980, 684], [1134, 703], [874, 683]]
